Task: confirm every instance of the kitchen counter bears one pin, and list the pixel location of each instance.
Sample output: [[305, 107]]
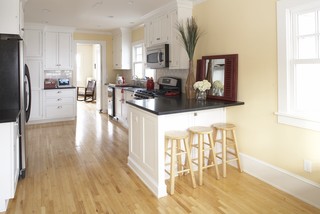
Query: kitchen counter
[[149, 119], [60, 88], [171, 105], [9, 115]]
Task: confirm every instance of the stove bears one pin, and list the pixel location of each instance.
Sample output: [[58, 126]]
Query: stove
[[168, 86]]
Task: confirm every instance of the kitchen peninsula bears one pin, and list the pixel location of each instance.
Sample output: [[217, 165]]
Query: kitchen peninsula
[[149, 119]]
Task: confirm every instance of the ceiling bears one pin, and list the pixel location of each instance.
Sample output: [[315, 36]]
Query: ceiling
[[90, 15]]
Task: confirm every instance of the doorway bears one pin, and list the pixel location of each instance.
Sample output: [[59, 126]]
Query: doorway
[[91, 64]]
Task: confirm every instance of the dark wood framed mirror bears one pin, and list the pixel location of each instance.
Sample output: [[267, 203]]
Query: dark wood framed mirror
[[222, 72]]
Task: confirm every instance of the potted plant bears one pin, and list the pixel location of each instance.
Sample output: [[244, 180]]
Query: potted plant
[[190, 35]]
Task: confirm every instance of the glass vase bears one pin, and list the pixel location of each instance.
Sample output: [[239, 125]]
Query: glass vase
[[201, 95]]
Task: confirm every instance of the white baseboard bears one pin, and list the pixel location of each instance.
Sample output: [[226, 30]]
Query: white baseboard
[[3, 204], [158, 190], [297, 186]]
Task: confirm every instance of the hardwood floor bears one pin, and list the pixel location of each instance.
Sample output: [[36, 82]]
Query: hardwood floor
[[81, 167]]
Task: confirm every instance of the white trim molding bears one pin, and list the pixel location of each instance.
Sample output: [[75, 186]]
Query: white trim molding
[[297, 186]]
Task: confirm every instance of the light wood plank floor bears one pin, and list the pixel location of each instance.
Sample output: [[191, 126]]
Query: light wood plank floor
[[81, 167]]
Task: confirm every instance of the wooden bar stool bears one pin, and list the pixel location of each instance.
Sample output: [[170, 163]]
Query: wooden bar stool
[[202, 147], [227, 142], [175, 152]]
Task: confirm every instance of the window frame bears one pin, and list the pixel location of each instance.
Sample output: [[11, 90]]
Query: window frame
[[286, 45], [134, 46]]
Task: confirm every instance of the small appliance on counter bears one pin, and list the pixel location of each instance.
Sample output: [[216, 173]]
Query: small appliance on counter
[[50, 83], [64, 83]]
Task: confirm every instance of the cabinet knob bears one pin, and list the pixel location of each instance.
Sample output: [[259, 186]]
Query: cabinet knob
[[59, 107], [59, 92], [195, 114], [59, 99]]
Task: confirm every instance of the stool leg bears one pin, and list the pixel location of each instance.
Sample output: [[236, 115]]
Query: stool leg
[[236, 150], [179, 157], [213, 155], [212, 159], [188, 160], [166, 148], [172, 165], [224, 153], [200, 157]]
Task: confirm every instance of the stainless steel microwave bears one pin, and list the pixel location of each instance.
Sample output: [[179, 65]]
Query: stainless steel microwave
[[158, 56]]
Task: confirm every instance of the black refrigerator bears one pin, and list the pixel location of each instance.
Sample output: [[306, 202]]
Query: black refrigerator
[[15, 91]]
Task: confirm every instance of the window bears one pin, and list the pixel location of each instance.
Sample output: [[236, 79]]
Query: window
[[299, 63], [138, 55]]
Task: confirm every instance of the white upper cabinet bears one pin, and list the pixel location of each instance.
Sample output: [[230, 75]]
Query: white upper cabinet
[[12, 17], [121, 49], [57, 50], [178, 56], [161, 28], [33, 42], [158, 30]]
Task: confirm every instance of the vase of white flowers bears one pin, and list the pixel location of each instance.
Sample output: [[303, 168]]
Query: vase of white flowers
[[201, 88]]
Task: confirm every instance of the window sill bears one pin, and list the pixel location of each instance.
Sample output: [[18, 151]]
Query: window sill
[[298, 121]]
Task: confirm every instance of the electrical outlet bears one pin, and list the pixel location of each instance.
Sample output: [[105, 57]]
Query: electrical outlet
[[307, 165]]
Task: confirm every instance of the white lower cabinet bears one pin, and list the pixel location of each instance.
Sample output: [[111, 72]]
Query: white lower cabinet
[[9, 162], [118, 99], [60, 103], [121, 97]]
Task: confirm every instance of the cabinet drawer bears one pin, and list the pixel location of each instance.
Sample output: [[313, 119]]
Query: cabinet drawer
[[60, 111], [58, 101], [60, 93]]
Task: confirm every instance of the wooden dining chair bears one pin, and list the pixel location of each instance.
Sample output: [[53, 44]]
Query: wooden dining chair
[[88, 93]]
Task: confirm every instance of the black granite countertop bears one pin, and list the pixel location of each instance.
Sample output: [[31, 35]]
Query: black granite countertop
[[7, 116], [60, 88], [172, 105]]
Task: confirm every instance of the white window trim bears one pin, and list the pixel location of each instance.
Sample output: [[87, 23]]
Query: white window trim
[[284, 8], [140, 42]]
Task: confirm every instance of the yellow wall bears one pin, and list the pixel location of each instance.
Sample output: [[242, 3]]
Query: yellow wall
[[137, 34], [248, 28], [100, 37]]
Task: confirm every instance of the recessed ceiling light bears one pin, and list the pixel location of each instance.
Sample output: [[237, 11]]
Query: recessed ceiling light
[[97, 4], [46, 10]]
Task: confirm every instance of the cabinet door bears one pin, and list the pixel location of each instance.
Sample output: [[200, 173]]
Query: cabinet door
[[117, 51], [58, 50], [128, 95], [118, 102], [65, 50], [10, 17], [9, 159], [122, 49], [148, 34], [160, 29], [33, 42], [175, 41], [59, 103], [51, 50]]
